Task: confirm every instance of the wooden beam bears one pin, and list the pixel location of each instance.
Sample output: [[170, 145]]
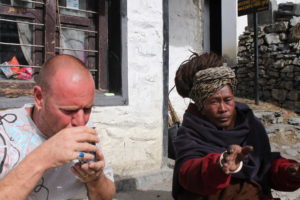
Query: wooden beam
[[50, 28]]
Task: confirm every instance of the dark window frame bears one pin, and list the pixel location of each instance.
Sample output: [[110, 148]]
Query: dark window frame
[[121, 97]]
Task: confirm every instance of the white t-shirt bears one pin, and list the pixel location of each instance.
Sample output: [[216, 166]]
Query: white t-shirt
[[18, 137]]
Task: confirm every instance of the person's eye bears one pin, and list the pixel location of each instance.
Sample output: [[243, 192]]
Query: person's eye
[[228, 99], [213, 101], [69, 112], [87, 110]]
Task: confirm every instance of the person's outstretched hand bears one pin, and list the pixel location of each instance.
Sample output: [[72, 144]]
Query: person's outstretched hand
[[233, 156]]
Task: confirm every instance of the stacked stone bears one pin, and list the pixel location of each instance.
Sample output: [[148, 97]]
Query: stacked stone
[[279, 65]]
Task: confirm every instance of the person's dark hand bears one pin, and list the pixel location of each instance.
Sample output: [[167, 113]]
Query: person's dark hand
[[294, 171], [233, 156]]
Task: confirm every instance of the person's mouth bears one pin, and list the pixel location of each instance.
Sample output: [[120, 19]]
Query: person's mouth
[[224, 119]]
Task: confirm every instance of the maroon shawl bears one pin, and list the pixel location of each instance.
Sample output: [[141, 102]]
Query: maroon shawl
[[197, 137]]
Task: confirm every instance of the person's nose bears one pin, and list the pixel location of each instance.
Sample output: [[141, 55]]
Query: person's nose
[[222, 107], [78, 118]]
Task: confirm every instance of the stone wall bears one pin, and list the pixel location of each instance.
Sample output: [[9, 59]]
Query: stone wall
[[279, 65]]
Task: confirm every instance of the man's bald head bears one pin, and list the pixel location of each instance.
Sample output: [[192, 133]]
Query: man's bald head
[[67, 64], [64, 95]]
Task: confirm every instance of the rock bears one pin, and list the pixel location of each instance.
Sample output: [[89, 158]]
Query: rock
[[276, 28], [243, 60], [282, 36], [272, 38], [275, 128], [279, 64], [286, 85], [296, 46], [295, 20], [242, 48], [289, 68], [293, 95], [292, 152], [296, 61], [278, 94], [294, 121], [274, 74], [242, 70]]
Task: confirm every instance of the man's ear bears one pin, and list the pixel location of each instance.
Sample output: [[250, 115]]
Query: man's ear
[[38, 97]]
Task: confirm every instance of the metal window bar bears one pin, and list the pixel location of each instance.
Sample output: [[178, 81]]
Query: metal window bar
[[83, 50], [28, 45], [36, 2], [33, 66], [86, 11], [22, 22], [77, 29]]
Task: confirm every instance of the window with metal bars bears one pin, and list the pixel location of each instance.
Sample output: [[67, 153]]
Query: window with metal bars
[[31, 31]]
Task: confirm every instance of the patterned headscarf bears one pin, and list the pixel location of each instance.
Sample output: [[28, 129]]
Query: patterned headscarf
[[208, 81]]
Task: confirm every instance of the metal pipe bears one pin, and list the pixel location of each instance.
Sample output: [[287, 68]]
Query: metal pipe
[[33, 66], [84, 50], [86, 11], [36, 2], [256, 58], [22, 22], [165, 80], [77, 29], [16, 44]]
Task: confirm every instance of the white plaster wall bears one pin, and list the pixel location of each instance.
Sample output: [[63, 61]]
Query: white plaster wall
[[242, 22], [229, 31], [132, 135], [284, 1], [186, 34]]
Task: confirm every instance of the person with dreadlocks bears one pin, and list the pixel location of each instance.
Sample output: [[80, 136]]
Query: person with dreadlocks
[[222, 149]]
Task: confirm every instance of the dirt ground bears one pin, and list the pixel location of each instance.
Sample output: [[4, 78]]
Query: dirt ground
[[268, 107]]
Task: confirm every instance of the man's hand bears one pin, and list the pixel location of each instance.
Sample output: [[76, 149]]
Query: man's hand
[[294, 171], [65, 146], [233, 156], [90, 171]]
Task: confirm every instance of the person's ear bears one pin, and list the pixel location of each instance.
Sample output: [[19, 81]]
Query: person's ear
[[38, 97]]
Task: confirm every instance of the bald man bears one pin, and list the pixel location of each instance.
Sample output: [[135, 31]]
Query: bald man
[[47, 149]]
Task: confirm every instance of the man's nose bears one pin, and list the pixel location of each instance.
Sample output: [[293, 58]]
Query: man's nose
[[78, 118]]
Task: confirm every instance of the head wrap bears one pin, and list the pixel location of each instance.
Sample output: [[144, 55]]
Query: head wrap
[[208, 81]]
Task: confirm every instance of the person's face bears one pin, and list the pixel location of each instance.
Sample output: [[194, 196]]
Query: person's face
[[219, 108], [66, 105]]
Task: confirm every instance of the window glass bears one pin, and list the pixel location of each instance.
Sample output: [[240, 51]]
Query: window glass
[[76, 7], [16, 41], [75, 40], [17, 3]]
